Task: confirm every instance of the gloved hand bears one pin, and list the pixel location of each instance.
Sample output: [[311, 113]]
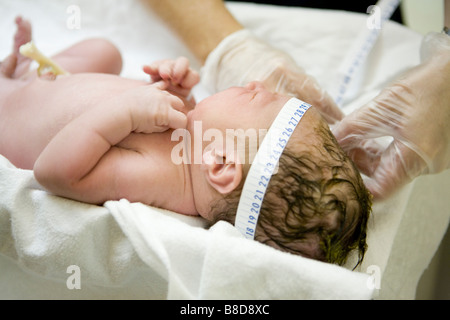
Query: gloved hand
[[415, 112], [241, 58]]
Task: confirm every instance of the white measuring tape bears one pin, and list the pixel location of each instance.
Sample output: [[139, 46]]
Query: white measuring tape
[[361, 48], [265, 164]]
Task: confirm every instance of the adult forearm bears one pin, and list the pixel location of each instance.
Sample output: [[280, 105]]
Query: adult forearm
[[201, 24]]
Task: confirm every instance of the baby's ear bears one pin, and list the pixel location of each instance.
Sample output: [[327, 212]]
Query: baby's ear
[[223, 173]]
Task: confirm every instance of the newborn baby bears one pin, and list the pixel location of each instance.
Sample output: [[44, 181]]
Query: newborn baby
[[94, 136]]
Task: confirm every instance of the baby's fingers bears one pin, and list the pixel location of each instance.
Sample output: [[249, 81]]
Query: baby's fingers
[[154, 71], [183, 75], [191, 79], [176, 119], [180, 69], [160, 70], [177, 72], [170, 115]]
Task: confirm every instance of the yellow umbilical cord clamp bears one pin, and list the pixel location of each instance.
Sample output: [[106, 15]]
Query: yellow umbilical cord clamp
[[46, 65]]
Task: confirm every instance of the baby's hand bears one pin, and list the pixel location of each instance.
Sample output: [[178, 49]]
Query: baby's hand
[[177, 75], [153, 109], [176, 72]]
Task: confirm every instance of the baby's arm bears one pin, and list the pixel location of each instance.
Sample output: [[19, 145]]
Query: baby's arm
[[82, 161]]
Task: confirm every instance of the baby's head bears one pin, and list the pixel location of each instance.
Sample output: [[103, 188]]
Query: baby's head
[[315, 205]]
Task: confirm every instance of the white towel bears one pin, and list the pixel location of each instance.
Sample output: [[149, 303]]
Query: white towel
[[129, 250], [132, 251]]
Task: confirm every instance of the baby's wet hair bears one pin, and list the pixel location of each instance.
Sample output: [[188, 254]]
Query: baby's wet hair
[[315, 206]]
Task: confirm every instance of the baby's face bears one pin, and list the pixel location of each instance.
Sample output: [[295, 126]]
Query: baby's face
[[252, 106], [238, 108]]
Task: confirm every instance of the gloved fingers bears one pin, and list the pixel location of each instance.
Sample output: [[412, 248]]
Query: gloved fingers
[[381, 117], [390, 168], [366, 156], [390, 174], [292, 80], [353, 129], [319, 98], [434, 44]]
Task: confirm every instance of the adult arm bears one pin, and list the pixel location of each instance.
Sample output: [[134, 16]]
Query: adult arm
[[201, 24]]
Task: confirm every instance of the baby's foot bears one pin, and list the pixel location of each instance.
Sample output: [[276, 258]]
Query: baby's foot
[[22, 36]]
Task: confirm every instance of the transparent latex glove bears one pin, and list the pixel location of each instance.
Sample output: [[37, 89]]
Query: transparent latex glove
[[241, 58], [415, 113]]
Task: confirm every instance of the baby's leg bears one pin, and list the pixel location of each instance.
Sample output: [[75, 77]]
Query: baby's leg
[[8, 66], [22, 36], [15, 65], [93, 55]]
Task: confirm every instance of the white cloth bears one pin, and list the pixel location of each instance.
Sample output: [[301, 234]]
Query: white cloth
[[129, 250], [132, 251]]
